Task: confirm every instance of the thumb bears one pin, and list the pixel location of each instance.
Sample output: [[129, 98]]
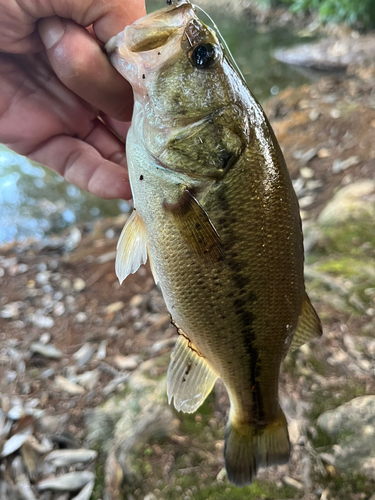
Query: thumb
[[79, 62]]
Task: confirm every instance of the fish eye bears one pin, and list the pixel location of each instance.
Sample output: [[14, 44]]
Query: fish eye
[[204, 56]]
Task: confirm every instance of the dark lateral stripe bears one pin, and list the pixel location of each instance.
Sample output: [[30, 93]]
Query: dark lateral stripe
[[246, 317]]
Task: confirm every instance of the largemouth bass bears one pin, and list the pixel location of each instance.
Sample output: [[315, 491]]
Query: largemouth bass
[[215, 210]]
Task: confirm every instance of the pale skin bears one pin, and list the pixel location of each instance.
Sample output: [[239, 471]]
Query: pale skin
[[62, 104]]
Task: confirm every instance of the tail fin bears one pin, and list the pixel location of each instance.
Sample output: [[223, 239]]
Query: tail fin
[[249, 447]]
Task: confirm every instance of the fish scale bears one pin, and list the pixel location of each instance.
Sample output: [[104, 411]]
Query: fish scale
[[217, 214]]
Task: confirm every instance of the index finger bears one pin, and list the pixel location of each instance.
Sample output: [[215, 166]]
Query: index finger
[[18, 20]]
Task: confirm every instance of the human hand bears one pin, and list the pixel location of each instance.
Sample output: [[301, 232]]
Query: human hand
[[62, 104]]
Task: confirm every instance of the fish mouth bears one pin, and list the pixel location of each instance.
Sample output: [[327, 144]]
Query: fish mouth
[[154, 30]]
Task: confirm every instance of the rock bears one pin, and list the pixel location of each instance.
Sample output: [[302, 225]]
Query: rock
[[45, 338], [41, 321], [341, 165], [73, 239], [106, 257], [355, 421], [58, 309], [43, 277], [114, 307], [85, 493], [289, 481], [102, 350], [67, 482], [306, 201], [126, 362], [15, 442], [89, 380], [136, 301], [307, 172], [330, 53], [69, 387], [353, 201], [48, 351], [11, 310], [84, 354], [66, 458], [79, 284], [123, 425], [163, 344], [22, 481], [81, 317]]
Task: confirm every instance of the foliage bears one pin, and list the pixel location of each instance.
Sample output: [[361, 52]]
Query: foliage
[[351, 12]]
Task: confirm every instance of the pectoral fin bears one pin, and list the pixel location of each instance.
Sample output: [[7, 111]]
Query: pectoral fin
[[131, 247], [196, 227], [308, 326], [190, 379]]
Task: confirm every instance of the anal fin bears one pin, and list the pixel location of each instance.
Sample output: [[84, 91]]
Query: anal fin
[[190, 379], [308, 327], [131, 247]]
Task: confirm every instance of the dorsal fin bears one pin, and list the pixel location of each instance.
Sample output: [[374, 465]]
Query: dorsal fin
[[308, 327], [131, 247], [190, 379]]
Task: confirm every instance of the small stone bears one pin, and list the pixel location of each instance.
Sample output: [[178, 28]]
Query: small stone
[[79, 284], [48, 351], [58, 309], [10, 376], [324, 153], [49, 372], [84, 354], [136, 301], [114, 307], [86, 492], [106, 257], [15, 442], [102, 350], [307, 172], [89, 380], [69, 387], [65, 458], [314, 114], [306, 201], [11, 310], [6, 263], [43, 277], [73, 239], [16, 412], [41, 321], [341, 165], [45, 338], [311, 184], [66, 284], [126, 362], [305, 156], [163, 344], [81, 317], [67, 482], [289, 481]]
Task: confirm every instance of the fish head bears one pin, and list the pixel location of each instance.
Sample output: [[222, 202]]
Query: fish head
[[169, 57], [185, 84]]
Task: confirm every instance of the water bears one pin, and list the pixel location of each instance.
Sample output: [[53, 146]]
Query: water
[[35, 201]]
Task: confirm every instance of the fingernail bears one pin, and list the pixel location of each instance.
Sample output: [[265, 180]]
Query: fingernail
[[51, 31]]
